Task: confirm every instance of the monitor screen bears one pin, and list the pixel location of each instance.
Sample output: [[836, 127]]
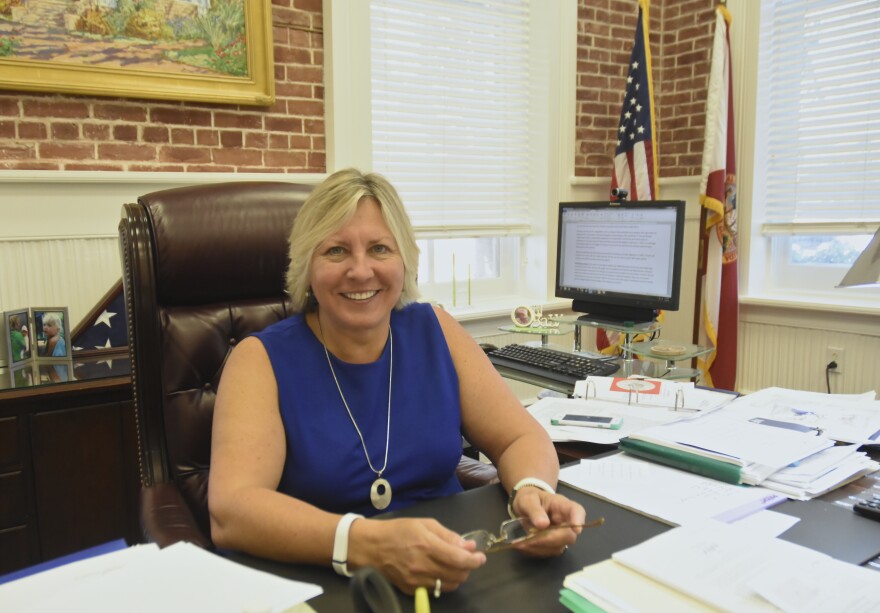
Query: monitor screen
[[620, 261]]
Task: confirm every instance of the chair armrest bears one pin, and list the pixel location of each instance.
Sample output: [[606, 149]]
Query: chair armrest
[[472, 473], [166, 518]]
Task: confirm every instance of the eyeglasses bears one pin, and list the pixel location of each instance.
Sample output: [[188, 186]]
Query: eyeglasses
[[514, 531]]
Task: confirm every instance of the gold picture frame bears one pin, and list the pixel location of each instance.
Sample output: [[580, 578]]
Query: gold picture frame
[[171, 80]]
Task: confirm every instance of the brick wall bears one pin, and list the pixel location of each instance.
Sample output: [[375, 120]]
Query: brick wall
[[681, 41], [60, 132]]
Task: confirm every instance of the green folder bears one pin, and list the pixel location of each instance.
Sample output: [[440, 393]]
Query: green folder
[[683, 460], [577, 603]]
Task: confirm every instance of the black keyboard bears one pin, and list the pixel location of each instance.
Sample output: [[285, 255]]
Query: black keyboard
[[559, 366]]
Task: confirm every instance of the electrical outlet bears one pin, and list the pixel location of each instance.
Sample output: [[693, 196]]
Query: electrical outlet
[[835, 354]]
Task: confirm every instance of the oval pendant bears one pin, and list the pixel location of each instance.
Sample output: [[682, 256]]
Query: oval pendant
[[380, 493]]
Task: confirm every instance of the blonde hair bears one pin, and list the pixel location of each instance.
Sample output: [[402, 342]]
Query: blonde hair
[[327, 209]]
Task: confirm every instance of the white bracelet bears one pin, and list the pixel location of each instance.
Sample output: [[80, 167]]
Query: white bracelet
[[340, 544], [527, 482]]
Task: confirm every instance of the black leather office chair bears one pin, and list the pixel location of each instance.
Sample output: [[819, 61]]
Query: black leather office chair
[[203, 267]]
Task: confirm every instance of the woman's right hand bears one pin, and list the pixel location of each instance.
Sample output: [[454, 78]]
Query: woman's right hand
[[413, 553]]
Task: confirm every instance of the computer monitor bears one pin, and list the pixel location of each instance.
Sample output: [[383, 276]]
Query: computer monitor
[[620, 262]]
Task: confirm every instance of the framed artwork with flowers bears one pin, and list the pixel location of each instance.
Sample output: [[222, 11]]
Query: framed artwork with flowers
[[198, 50]]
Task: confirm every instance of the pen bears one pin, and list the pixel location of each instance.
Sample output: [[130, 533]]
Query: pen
[[423, 605]]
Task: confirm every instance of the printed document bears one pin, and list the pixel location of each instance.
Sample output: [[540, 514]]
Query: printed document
[[728, 567], [849, 418], [667, 494]]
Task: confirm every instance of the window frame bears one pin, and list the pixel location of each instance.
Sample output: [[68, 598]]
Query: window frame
[[348, 130], [760, 243]]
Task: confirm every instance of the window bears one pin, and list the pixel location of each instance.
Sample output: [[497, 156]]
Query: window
[[457, 117], [817, 146]]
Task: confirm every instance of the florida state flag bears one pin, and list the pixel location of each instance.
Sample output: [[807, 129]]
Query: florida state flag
[[719, 304]]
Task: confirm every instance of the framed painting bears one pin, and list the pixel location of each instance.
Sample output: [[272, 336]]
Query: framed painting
[[216, 51]]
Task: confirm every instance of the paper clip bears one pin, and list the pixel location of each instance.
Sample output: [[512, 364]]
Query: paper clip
[[591, 386]]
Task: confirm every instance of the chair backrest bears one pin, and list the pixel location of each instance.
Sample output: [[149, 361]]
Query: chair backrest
[[204, 266]]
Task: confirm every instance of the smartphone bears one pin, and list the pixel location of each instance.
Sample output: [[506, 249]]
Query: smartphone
[[591, 421]]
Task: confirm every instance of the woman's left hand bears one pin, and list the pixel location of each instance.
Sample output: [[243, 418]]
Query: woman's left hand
[[544, 510]]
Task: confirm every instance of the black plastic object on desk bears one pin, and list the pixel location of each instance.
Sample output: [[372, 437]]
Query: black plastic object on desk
[[560, 366]]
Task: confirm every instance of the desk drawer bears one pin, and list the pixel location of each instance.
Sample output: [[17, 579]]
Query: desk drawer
[[13, 500], [16, 550], [10, 452]]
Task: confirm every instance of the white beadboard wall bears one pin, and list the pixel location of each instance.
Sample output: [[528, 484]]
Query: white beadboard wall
[[71, 272], [790, 351], [58, 237]]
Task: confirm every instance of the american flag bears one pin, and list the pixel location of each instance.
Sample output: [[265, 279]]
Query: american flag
[[107, 329], [636, 153]]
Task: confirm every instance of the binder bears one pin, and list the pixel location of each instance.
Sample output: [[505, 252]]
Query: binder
[[684, 460]]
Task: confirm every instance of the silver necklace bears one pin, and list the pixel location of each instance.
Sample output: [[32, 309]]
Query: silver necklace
[[380, 492]]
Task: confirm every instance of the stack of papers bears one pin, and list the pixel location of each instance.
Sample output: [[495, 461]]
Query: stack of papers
[[672, 496], [849, 418], [144, 578], [711, 567], [726, 446]]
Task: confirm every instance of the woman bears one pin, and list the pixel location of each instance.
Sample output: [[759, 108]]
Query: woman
[[357, 403], [53, 330]]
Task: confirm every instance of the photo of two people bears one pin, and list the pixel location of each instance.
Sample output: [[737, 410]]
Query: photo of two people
[[36, 333]]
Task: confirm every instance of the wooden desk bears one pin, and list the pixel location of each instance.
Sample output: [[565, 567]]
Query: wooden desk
[[512, 582], [509, 581], [68, 471]]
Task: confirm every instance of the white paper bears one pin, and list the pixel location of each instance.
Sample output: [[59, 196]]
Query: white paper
[[819, 587], [717, 564], [668, 494], [180, 578], [767, 523], [850, 418], [59, 581]]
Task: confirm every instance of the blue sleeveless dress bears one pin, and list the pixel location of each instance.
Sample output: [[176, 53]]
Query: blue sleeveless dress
[[325, 463]]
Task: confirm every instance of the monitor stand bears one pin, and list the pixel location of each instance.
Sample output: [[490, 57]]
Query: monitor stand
[[612, 314]]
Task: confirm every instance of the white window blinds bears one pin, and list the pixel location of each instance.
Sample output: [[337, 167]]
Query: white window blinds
[[450, 112], [820, 84]]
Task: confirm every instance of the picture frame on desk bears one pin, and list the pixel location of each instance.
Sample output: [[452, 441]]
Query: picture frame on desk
[[522, 316], [19, 340], [51, 334], [196, 50]]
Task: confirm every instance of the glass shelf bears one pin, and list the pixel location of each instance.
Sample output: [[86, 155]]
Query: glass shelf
[[585, 320], [543, 331], [688, 351], [627, 329]]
